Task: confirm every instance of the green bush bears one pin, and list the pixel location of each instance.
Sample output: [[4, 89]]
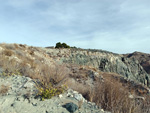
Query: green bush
[[9, 73], [61, 45], [47, 92], [58, 45]]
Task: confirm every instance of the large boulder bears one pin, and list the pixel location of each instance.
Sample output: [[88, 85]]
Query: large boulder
[[71, 107]]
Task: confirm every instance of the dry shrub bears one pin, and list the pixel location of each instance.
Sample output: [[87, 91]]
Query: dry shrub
[[10, 46], [7, 52], [3, 89], [26, 70], [31, 52], [23, 46], [52, 79], [27, 66], [112, 97], [8, 66], [73, 84], [55, 74]]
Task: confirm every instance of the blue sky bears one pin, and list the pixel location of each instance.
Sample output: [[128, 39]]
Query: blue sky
[[120, 26]]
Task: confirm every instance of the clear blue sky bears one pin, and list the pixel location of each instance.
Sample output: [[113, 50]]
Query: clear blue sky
[[119, 26]]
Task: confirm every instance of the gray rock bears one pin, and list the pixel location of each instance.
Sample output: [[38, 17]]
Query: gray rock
[[79, 97], [71, 107]]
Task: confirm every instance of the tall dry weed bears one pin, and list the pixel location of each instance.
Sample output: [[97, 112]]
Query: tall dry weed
[[9, 65], [56, 74], [112, 97]]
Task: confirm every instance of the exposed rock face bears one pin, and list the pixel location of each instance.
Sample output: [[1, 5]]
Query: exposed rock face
[[102, 60], [143, 58], [107, 62]]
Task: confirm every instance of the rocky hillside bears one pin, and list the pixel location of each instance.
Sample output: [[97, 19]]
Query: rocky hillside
[[143, 58], [104, 61], [104, 80]]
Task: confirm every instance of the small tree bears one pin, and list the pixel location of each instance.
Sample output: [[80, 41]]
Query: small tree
[[58, 45], [63, 45]]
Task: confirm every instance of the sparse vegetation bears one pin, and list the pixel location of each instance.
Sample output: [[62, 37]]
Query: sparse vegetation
[[115, 98], [52, 80], [112, 97], [7, 73], [56, 74], [48, 91], [10, 67]]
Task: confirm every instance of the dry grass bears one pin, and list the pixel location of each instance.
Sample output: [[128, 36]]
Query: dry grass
[[55, 74], [112, 96], [52, 80], [7, 52], [4, 89], [8, 66], [73, 84]]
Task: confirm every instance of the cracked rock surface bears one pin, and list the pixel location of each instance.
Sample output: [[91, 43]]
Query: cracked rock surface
[[20, 99]]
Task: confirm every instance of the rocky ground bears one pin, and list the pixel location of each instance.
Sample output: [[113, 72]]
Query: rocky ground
[[20, 98]]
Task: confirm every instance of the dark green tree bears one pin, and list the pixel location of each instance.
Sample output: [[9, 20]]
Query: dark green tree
[[63, 45], [58, 45]]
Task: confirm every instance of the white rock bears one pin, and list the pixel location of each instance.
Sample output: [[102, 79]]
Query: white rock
[[102, 110], [60, 96], [28, 84], [90, 103], [75, 92], [79, 97]]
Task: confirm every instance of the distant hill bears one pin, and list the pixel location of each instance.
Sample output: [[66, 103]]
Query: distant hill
[[143, 58]]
